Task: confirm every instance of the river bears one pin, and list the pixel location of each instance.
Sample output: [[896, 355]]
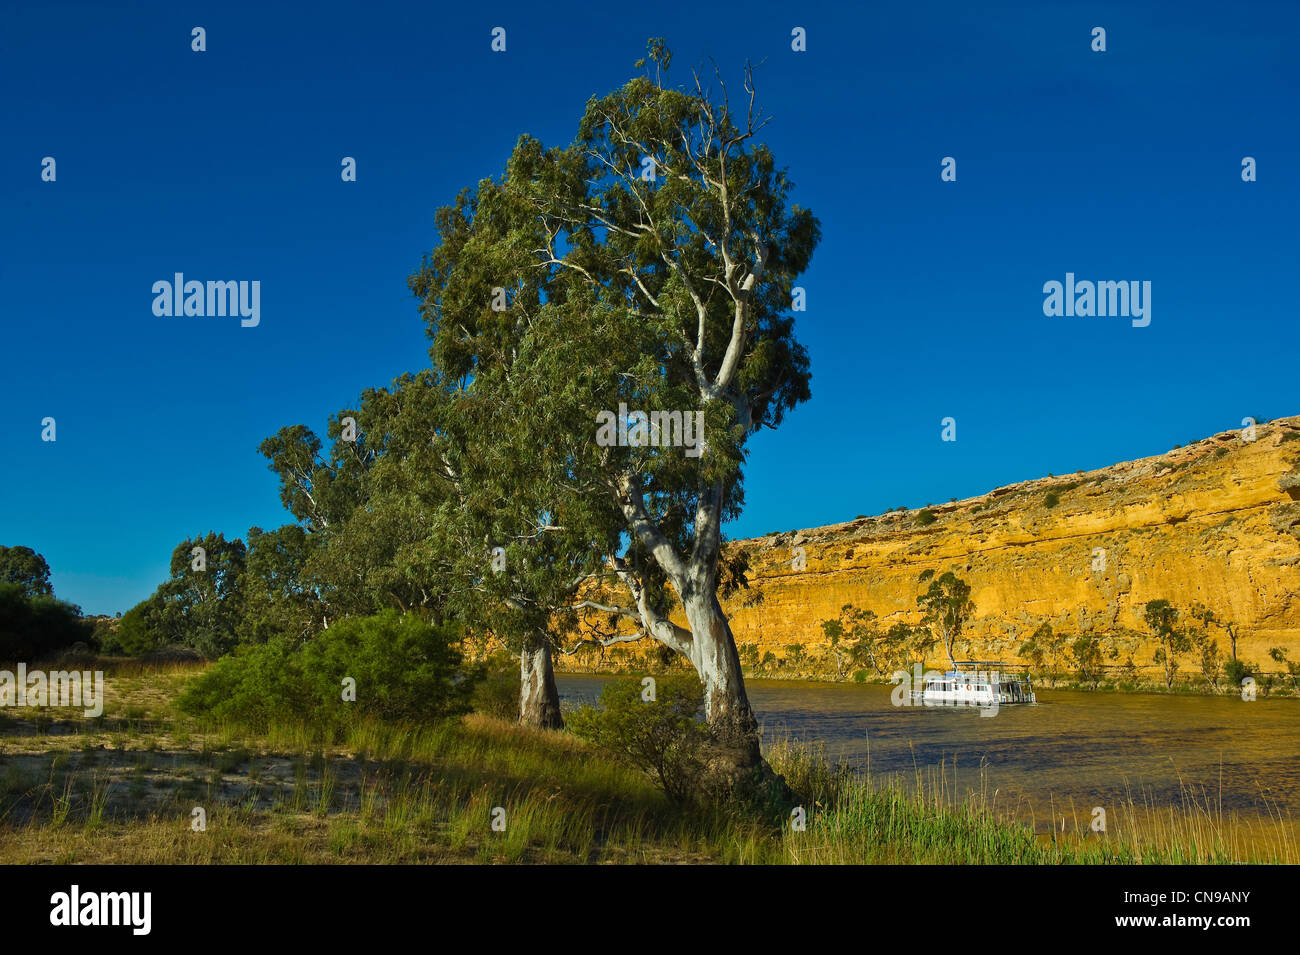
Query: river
[[1071, 752]]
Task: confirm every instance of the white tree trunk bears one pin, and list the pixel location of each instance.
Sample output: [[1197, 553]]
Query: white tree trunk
[[539, 699], [713, 654]]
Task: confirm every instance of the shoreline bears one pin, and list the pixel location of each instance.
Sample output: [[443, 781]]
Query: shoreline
[[1275, 690]]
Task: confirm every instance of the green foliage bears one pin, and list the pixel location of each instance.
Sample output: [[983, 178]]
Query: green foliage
[[1208, 654], [277, 597], [858, 642], [318, 490], [497, 694], [947, 606], [1163, 619], [140, 630], [925, 517], [257, 685], [26, 568], [1234, 671], [404, 668], [199, 606], [1087, 652], [1046, 650], [1051, 500], [1034, 649], [618, 291], [103, 631], [33, 626], [1280, 655], [660, 737]]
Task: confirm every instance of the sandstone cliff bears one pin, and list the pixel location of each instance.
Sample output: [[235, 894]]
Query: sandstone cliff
[[1215, 522]]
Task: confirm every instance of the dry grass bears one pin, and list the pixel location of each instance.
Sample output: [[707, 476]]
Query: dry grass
[[121, 788]]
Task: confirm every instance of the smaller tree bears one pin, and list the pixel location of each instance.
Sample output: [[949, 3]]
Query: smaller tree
[[1279, 655], [1208, 618], [140, 629], [947, 606], [1162, 617], [914, 643], [202, 604], [1047, 650], [834, 632], [1034, 648], [1086, 650], [278, 599], [855, 637], [1208, 654], [26, 568]]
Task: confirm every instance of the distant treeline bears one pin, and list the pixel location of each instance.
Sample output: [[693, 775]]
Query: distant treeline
[[33, 622], [1188, 648]]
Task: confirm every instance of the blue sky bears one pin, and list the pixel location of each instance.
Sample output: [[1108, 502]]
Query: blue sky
[[924, 298]]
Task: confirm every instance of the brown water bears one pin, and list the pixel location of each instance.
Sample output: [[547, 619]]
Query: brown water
[[1089, 749]]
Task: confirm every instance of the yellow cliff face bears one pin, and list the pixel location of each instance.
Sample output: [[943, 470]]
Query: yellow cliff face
[[1207, 523], [1215, 523]]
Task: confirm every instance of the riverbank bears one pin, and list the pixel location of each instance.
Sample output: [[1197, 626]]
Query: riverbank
[[124, 787]]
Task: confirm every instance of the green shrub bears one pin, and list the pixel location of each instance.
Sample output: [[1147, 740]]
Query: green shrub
[[1237, 670], [497, 694], [139, 630], [660, 737], [404, 668], [1051, 500], [925, 517]]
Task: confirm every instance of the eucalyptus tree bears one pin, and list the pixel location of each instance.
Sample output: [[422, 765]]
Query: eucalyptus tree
[[509, 547], [648, 265], [1170, 634], [278, 597], [23, 566], [199, 605], [410, 511], [533, 538], [947, 607], [366, 534]]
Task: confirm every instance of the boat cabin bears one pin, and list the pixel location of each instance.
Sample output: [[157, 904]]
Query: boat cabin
[[976, 687]]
